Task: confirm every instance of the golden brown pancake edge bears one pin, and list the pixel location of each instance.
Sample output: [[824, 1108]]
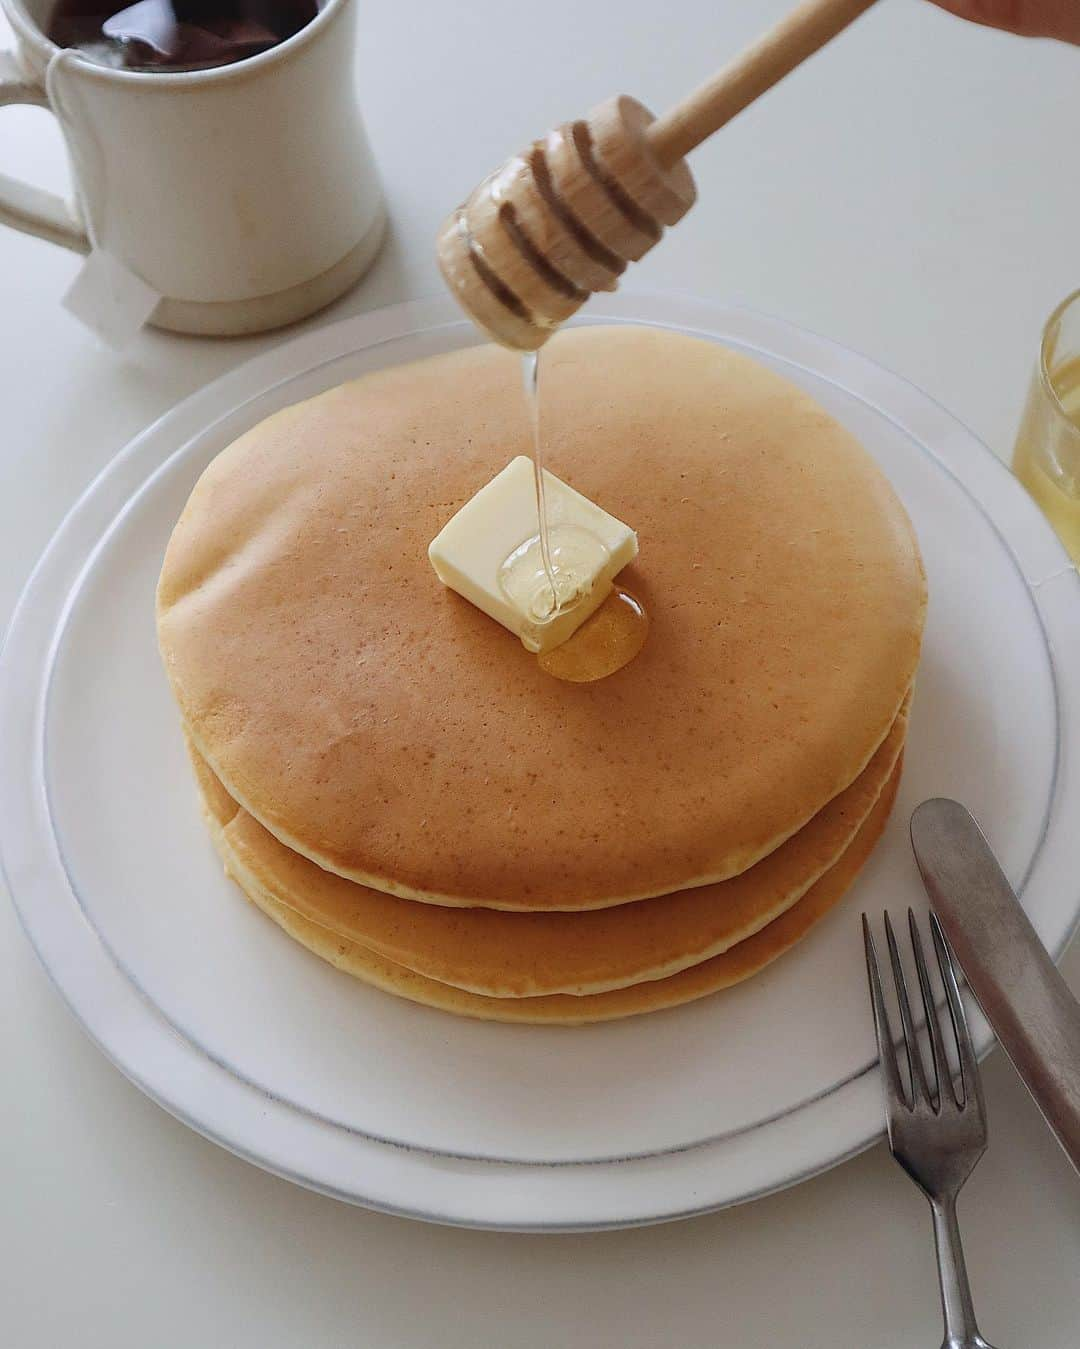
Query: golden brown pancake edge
[[733, 966], [510, 954]]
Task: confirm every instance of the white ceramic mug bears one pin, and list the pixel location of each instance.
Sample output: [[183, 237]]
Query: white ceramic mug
[[245, 195]]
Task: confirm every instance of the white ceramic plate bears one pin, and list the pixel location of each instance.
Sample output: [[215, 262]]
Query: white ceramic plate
[[241, 1033]]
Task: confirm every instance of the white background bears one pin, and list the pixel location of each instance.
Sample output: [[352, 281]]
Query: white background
[[914, 195]]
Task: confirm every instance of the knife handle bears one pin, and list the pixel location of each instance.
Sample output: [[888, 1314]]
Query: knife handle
[[1021, 993]]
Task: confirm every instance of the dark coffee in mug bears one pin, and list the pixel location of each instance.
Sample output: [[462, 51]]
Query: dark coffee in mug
[[176, 34]]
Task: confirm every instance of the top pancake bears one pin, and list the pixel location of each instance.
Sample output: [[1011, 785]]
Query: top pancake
[[383, 727]]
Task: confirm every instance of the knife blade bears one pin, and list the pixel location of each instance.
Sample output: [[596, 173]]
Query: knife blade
[[1022, 995]]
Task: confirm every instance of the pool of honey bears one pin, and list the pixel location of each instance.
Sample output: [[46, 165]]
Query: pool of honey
[[605, 642]]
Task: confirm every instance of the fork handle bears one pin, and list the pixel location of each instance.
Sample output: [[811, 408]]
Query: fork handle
[[961, 1332]]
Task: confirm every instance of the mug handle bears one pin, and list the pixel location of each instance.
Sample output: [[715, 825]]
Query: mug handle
[[23, 206]]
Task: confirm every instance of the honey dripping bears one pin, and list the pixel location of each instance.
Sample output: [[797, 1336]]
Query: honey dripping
[[612, 636], [530, 378]]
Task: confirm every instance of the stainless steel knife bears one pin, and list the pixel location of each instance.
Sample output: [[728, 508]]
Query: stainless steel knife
[[1007, 968]]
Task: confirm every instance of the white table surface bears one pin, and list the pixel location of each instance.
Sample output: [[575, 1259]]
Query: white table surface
[[913, 195]]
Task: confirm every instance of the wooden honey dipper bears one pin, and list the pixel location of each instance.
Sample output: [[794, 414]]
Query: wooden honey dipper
[[563, 218]]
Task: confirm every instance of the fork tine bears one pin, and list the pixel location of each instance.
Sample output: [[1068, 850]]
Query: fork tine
[[969, 1069], [938, 1058], [919, 1089], [895, 1093]]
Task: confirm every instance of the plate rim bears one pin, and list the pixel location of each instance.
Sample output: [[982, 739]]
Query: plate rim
[[254, 407], [285, 361]]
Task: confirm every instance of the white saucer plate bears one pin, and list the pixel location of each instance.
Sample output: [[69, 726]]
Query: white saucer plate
[[263, 1048]]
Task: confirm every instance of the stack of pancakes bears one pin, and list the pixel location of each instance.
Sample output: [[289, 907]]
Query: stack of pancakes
[[392, 778]]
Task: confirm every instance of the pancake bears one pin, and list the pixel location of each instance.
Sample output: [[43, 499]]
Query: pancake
[[722, 971], [381, 726], [525, 954]]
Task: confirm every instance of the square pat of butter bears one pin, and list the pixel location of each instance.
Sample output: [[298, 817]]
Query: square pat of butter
[[489, 552]]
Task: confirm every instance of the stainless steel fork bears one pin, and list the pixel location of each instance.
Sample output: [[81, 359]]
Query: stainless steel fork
[[938, 1132]]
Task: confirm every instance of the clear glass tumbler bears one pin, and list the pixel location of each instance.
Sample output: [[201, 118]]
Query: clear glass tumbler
[[1047, 454]]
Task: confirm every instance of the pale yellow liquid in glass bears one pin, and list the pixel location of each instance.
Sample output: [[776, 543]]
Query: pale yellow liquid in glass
[[1047, 454]]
